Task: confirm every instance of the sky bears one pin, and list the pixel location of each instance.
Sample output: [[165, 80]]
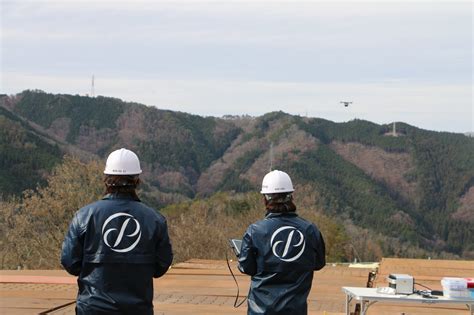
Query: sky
[[407, 61]]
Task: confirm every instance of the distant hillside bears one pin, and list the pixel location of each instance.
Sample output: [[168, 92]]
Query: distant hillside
[[174, 147], [25, 156], [416, 187]]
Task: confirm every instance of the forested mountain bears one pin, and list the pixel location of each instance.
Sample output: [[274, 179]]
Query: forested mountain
[[25, 156], [416, 187]]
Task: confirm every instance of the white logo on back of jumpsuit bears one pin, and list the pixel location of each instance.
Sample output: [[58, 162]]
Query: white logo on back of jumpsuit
[[281, 248], [120, 234]]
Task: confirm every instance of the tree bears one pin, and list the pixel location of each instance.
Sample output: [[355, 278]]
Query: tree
[[35, 226]]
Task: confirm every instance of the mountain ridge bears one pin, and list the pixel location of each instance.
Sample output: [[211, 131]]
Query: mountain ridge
[[416, 187]]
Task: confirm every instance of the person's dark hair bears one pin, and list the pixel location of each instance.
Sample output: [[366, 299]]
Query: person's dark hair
[[126, 184], [279, 203]]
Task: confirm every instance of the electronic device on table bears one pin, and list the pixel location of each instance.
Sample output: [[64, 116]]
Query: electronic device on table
[[401, 283]]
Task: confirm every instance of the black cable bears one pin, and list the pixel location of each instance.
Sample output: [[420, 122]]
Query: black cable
[[236, 283], [424, 286], [425, 294], [430, 294]]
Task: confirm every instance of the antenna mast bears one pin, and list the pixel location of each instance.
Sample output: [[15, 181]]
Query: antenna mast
[[92, 87], [271, 156]]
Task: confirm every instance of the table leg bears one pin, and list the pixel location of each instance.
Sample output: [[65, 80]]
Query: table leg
[[366, 304], [348, 301], [363, 307]]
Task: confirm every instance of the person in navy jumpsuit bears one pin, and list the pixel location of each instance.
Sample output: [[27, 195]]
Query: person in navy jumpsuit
[[280, 253]]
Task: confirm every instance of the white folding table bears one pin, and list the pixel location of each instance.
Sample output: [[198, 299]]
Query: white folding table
[[369, 296]]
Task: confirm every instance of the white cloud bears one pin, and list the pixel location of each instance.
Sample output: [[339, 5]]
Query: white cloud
[[397, 60], [264, 22], [310, 41]]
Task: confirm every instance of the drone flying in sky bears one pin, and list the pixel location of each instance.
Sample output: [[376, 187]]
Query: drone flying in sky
[[346, 104]]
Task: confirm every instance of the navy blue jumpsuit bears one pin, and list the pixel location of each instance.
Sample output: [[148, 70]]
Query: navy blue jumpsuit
[[116, 246], [281, 253]]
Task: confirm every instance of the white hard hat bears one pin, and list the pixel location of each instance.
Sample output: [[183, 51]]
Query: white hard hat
[[122, 162], [276, 182]]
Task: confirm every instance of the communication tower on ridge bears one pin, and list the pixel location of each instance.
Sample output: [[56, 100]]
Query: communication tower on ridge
[[271, 156], [92, 87], [393, 132]]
